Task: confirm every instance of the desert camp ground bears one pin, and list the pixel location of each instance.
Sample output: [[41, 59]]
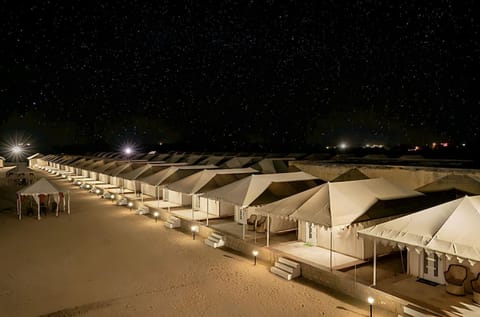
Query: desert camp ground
[[104, 259]]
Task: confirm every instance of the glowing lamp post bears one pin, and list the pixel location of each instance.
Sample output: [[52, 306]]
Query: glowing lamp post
[[112, 197], [130, 205], [371, 300], [194, 231], [97, 191], [255, 253], [155, 214]]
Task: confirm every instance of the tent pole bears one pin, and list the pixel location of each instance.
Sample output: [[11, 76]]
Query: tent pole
[[401, 259], [331, 247], [374, 262], [207, 209], [243, 222], [268, 230], [19, 207], [68, 199]]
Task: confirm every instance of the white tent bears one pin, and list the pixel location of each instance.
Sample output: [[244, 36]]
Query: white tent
[[337, 210], [152, 184], [247, 191], [450, 229], [39, 188], [197, 184], [256, 190]]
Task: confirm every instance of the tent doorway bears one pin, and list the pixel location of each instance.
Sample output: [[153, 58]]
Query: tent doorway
[[311, 236], [433, 267]]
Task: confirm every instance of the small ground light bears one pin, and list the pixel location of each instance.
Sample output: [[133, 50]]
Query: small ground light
[[112, 197], [155, 214], [194, 231], [97, 191], [130, 205], [255, 253], [371, 300]]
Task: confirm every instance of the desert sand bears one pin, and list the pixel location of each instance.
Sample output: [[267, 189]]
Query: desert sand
[[104, 260]]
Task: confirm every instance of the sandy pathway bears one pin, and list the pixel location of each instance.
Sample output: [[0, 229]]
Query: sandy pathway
[[104, 260]]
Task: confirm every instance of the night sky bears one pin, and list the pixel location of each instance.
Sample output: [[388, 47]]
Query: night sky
[[227, 75]]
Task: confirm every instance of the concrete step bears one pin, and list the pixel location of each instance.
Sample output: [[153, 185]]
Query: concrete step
[[172, 222], [284, 267], [215, 240], [281, 273], [213, 244], [288, 262]]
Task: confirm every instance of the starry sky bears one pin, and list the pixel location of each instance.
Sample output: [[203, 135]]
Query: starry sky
[[225, 75]]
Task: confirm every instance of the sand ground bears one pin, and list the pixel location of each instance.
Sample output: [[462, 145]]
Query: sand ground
[[103, 260]]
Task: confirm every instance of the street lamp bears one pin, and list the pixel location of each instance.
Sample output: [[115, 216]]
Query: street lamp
[[255, 253], [112, 197], [155, 214], [130, 205], [371, 300], [194, 231]]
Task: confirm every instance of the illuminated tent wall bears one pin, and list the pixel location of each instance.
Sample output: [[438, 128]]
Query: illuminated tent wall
[[435, 237], [33, 160], [40, 192]]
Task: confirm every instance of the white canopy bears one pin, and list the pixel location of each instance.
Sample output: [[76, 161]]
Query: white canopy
[[42, 187], [342, 203], [209, 179], [451, 228], [245, 191]]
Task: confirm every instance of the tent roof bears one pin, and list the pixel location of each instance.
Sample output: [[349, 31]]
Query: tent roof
[[246, 191], [240, 161], [450, 228], [465, 183], [209, 179], [42, 186], [147, 169], [36, 155], [340, 203], [173, 173], [352, 174]]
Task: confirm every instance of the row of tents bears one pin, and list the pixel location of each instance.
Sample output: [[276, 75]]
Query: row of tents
[[340, 215]]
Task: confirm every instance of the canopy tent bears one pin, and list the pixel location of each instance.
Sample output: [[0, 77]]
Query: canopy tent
[[197, 184], [343, 203], [43, 188], [449, 229], [20, 174], [151, 184], [130, 178], [259, 189], [336, 206], [263, 188]]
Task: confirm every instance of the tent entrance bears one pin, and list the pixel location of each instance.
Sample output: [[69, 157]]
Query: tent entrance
[[311, 233], [433, 267]]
